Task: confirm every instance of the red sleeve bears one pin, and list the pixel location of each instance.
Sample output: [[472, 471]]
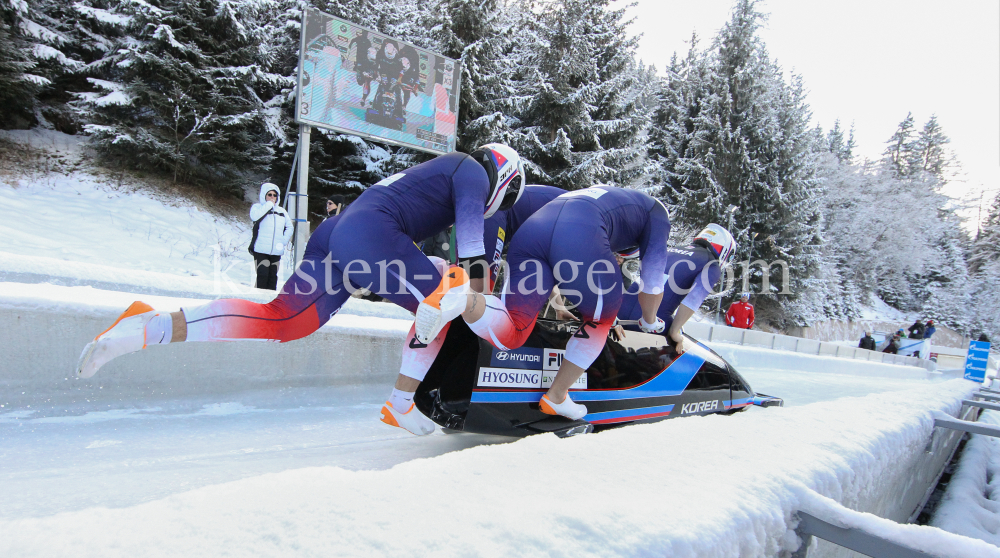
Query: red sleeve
[[729, 314], [750, 323]]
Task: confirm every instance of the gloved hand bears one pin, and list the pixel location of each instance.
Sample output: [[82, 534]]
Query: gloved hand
[[652, 328], [280, 247]]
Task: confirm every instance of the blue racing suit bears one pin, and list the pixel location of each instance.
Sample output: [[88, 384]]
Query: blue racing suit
[[371, 245], [692, 273], [570, 242]]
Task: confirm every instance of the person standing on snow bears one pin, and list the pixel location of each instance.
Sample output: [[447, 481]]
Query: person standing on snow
[[867, 342], [929, 330], [916, 330], [740, 314], [272, 229], [692, 273], [370, 245], [570, 243]]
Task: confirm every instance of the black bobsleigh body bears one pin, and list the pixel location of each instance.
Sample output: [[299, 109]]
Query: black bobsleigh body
[[473, 387]]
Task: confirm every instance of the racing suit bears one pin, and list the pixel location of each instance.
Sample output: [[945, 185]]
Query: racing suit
[[692, 273], [498, 231], [371, 245], [571, 242]]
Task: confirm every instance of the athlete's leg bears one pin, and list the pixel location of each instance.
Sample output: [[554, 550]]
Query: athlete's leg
[[507, 322], [311, 296], [596, 292], [386, 262]]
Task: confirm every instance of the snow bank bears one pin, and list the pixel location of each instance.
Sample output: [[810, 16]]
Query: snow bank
[[971, 503], [78, 216], [705, 486]]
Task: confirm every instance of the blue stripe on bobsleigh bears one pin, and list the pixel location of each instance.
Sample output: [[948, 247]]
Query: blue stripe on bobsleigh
[[672, 381]]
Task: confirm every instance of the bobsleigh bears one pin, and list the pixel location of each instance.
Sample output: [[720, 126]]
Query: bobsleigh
[[474, 387]]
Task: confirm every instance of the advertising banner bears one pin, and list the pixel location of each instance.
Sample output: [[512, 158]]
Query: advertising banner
[[358, 81], [975, 363]]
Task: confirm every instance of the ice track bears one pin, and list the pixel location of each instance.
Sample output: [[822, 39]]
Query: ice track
[[74, 457]]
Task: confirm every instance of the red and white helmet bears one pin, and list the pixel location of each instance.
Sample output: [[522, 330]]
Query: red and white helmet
[[719, 240], [506, 172]]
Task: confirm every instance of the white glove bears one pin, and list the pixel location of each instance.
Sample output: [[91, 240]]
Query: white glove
[[652, 328], [280, 247]]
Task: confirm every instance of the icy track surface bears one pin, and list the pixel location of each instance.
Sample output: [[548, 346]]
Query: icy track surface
[[313, 472]]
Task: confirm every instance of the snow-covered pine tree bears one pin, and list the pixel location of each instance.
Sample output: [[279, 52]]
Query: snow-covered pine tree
[[984, 263], [930, 154], [752, 135], [986, 247], [838, 145], [31, 56], [682, 130], [479, 33], [899, 152], [183, 93], [581, 114], [18, 85], [944, 285]]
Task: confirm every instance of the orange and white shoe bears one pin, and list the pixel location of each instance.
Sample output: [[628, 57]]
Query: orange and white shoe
[[567, 408], [126, 335], [446, 303], [412, 420]]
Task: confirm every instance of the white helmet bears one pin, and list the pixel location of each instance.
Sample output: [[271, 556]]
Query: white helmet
[[719, 240], [506, 172]]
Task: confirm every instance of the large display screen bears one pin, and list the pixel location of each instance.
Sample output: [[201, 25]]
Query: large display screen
[[358, 81]]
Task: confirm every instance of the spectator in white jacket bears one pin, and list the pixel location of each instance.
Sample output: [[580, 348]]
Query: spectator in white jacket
[[272, 229]]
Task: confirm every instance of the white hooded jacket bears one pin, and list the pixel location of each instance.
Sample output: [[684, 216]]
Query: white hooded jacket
[[275, 230]]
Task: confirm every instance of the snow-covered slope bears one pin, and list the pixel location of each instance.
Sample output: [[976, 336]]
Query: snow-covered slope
[[69, 210]]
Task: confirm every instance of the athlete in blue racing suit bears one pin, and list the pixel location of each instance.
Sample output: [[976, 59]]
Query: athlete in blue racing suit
[[692, 273], [369, 245], [571, 243], [497, 232]]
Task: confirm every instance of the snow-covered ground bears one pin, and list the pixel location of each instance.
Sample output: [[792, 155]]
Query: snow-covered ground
[[311, 472], [81, 215], [316, 474]]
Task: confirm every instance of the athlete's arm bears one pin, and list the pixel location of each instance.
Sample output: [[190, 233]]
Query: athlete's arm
[[654, 254], [555, 297], [683, 315], [650, 303], [470, 189], [702, 287]]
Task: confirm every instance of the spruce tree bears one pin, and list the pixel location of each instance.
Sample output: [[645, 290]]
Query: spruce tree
[[184, 92], [929, 150], [899, 152], [580, 115], [744, 141], [478, 34], [32, 55]]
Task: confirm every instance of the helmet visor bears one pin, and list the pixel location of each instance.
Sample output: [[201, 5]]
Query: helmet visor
[[513, 191]]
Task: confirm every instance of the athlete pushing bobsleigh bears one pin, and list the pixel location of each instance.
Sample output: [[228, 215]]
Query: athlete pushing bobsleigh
[[570, 242], [418, 356], [371, 245], [692, 272]]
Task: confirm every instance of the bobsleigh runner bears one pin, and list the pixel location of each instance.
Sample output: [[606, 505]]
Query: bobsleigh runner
[[474, 387]]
